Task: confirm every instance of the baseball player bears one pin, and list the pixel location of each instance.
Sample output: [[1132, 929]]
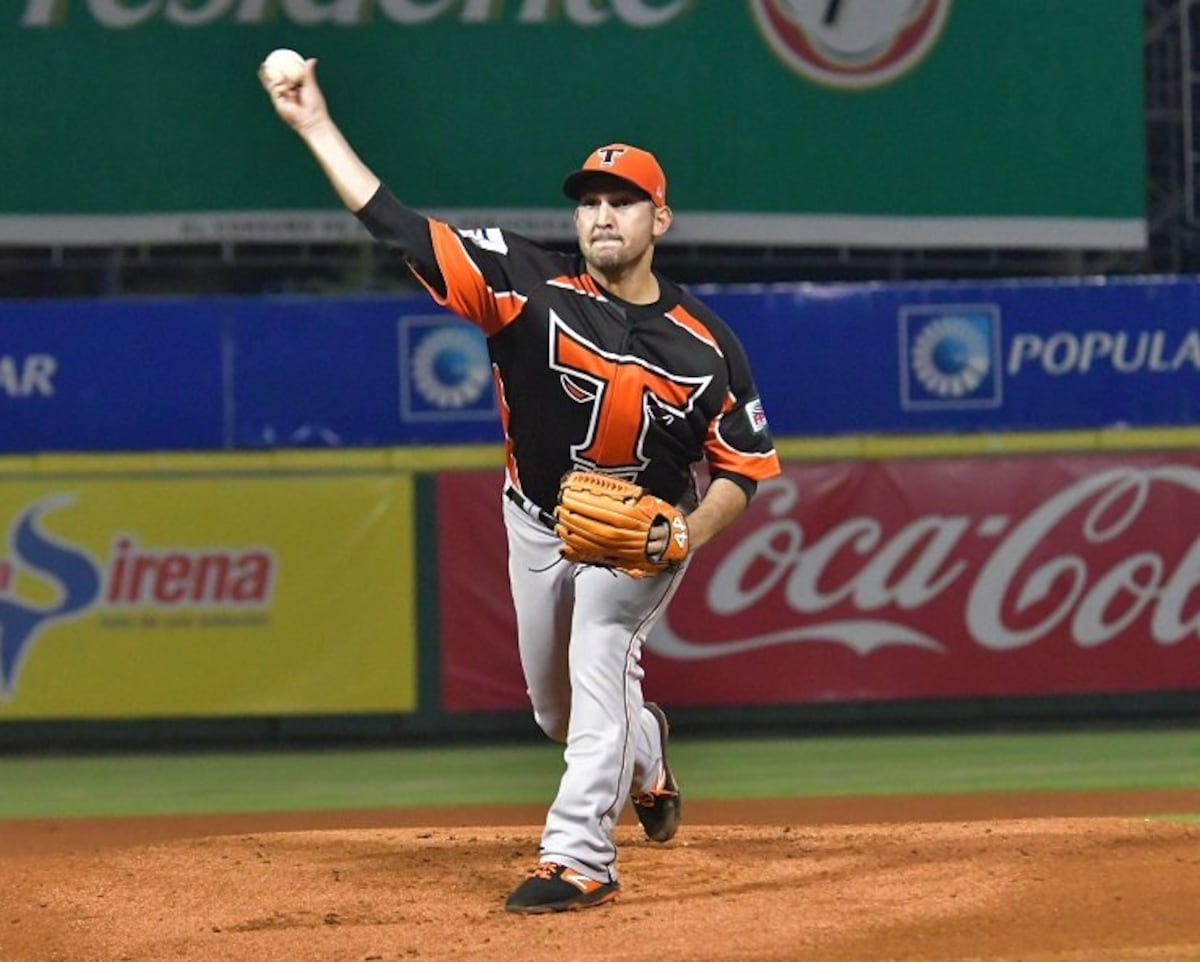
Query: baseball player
[[602, 366]]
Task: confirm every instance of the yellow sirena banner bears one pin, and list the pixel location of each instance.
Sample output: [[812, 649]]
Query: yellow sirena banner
[[207, 586]]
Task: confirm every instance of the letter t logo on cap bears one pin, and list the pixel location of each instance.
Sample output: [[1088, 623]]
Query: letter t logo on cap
[[628, 163], [609, 155]]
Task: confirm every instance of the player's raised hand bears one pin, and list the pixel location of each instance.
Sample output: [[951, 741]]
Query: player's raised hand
[[291, 83], [300, 105]]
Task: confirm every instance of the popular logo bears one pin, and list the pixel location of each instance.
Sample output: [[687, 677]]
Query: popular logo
[[27, 376], [852, 44], [445, 371], [948, 357], [1122, 352], [45, 579]]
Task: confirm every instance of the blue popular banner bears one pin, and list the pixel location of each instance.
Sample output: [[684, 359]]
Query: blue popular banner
[[111, 376], [360, 373], [280, 372], [939, 357]]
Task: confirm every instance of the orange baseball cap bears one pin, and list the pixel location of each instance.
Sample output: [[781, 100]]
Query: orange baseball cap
[[638, 167]]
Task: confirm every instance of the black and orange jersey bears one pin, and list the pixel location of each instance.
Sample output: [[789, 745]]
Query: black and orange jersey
[[585, 380]]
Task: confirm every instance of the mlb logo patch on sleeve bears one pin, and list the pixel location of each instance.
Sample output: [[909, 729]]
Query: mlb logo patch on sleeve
[[757, 416]]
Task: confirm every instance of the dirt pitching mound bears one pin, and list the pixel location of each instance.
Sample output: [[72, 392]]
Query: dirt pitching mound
[[1094, 889]]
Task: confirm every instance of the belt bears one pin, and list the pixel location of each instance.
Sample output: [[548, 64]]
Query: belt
[[539, 514]]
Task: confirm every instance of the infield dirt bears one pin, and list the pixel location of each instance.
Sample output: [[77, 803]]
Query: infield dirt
[[1074, 877]]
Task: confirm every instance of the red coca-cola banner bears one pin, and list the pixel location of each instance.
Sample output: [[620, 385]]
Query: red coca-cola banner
[[883, 580]]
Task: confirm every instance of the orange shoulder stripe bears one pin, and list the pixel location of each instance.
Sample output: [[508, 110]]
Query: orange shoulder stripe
[[695, 327], [758, 465], [467, 293], [580, 285]]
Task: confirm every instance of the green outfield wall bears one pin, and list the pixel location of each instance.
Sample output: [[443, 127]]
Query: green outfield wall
[[966, 122]]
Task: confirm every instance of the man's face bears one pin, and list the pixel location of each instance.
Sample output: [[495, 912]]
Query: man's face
[[616, 224]]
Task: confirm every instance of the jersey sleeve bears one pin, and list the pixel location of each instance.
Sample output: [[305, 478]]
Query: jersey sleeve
[[739, 443], [481, 274]]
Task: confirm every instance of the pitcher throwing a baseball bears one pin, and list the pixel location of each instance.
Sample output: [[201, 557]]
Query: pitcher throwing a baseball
[[613, 383]]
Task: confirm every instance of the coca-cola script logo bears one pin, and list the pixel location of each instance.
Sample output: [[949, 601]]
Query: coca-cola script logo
[[935, 556]]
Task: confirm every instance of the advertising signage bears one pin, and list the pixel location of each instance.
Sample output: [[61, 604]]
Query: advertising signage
[[795, 122]]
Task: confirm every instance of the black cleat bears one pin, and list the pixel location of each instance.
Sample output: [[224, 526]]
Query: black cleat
[[556, 888], [659, 810]]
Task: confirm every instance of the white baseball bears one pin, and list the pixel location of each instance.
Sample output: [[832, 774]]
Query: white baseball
[[285, 65]]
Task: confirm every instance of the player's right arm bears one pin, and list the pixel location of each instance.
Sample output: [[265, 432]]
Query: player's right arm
[[303, 108], [473, 273], [481, 275]]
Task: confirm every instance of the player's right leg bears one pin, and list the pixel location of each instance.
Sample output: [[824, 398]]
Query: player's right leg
[[543, 594]]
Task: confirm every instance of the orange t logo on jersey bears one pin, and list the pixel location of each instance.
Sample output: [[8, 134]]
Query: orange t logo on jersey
[[625, 392]]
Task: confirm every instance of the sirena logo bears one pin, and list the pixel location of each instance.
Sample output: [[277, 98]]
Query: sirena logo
[[948, 357], [853, 44], [172, 579], [71, 571]]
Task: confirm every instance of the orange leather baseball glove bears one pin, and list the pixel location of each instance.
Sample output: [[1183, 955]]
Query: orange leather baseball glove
[[606, 521]]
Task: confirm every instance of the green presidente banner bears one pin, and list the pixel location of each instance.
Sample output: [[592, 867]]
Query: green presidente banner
[[916, 123]]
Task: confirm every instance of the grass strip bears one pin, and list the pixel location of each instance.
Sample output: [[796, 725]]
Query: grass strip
[[57, 787]]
